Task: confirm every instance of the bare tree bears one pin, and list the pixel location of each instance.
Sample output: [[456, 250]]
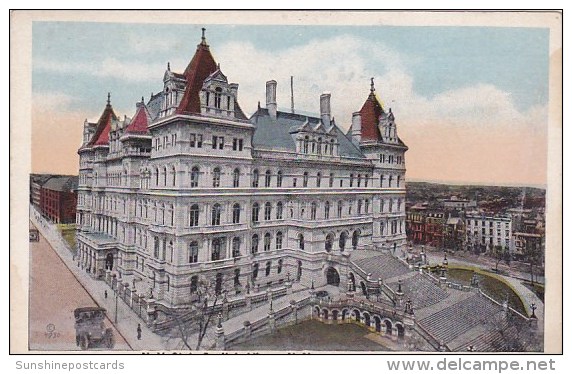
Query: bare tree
[[194, 323]]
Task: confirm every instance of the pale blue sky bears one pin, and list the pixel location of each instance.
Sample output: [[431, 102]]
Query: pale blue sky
[[438, 58]]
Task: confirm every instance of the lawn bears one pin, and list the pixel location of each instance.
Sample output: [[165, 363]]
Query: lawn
[[313, 336], [68, 233], [495, 288]]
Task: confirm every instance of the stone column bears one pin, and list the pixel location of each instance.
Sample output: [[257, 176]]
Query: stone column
[[220, 339]]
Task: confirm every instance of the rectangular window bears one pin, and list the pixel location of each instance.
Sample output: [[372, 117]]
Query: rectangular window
[[199, 141], [215, 139], [240, 144], [220, 142], [234, 144], [193, 141]]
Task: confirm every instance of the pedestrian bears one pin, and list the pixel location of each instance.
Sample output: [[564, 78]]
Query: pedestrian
[[138, 331], [105, 294]]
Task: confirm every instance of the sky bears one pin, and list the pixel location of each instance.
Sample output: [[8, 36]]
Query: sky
[[471, 103]]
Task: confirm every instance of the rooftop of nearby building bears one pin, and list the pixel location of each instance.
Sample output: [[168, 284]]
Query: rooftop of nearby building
[[62, 183]]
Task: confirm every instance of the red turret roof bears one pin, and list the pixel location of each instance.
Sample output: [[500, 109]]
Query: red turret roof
[[101, 136], [370, 112], [140, 121], [201, 66]]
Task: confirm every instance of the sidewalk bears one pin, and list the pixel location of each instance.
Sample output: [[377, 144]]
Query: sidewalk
[[127, 320]]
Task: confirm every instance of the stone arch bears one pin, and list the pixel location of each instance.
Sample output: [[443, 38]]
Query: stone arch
[[335, 314], [317, 310], [357, 315], [388, 326], [400, 330], [332, 276], [377, 321], [366, 319], [344, 314], [326, 313]]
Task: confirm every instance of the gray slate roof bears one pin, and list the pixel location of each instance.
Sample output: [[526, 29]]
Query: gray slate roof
[[276, 134], [65, 183]]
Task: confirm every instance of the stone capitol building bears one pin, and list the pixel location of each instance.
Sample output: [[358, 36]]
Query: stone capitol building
[[191, 190]]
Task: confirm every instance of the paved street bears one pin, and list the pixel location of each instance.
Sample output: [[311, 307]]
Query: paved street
[[54, 294]]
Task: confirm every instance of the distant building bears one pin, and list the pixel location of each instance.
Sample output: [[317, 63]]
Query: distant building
[[425, 226], [459, 204], [484, 232], [58, 199], [454, 235], [36, 183]]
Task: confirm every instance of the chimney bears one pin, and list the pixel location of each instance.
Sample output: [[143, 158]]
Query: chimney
[[271, 98], [325, 110], [356, 128]]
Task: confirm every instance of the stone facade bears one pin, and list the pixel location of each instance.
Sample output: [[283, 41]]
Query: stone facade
[[191, 192]]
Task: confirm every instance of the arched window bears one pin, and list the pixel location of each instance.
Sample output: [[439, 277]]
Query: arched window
[[390, 205], [193, 252], [313, 209], [351, 180], [195, 176], [215, 218], [332, 147], [267, 178], [327, 210], [236, 213], [216, 249], [194, 215], [359, 204], [381, 179], [268, 267], [255, 176], [279, 240], [267, 211], [216, 177], [366, 206], [319, 146], [267, 240], [236, 178], [235, 247], [301, 242], [359, 180], [279, 210], [306, 140], [305, 180], [331, 181], [255, 211], [355, 239], [255, 271], [165, 176], [390, 179], [313, 146], [279, 268], [319, 180], [194, 283], [299, 272], [254, 244], [174, 176], [329, 242], [156, 177], [340, 208], [398, 180], [279, 179], [382, 205], [366, 180], [342, 241]]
